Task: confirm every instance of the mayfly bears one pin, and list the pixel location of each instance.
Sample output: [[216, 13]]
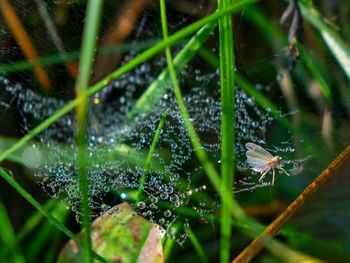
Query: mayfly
[[262, 161]]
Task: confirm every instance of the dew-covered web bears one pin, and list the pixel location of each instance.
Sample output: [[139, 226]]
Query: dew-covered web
[[118, 149], [176, 187]]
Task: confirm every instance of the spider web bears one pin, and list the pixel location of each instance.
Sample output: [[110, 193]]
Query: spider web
[[117, 147]]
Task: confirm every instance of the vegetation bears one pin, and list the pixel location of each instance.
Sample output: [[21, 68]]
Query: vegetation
[[283, 85]]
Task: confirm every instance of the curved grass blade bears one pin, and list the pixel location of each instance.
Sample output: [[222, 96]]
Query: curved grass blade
[[42, 210], [227, 81], [168, 243], [45, 233], [91, 28], [149, 156], [30, 224], [155, 91], [276, 37], [8, 238], [73, 56], [197, 246], [338, 48], [126, 68]]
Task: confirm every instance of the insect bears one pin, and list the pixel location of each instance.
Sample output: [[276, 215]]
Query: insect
[[262, 161]]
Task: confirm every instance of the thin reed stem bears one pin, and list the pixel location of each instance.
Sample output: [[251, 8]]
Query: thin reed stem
[[227, 80], [257, 244], [91, 27]]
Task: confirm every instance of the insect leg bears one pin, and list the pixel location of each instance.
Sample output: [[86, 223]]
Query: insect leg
[[284, 171], [273, 176], [264, 172]]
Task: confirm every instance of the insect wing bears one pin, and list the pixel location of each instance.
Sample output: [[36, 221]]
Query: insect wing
[[257, 164], [257, 152]]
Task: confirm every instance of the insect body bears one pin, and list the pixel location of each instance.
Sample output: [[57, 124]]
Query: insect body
[[262, 161]]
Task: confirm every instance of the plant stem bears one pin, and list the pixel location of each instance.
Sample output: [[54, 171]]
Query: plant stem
[[149, 156], [227, 77], [42, 210], [126, 68], [91, 27], [250, 251]]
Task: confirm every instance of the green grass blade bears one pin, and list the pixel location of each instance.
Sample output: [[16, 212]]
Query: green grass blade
[[197, 245], [315, 71], [149, 156], [168, 243], [29, 225], [73, 56], [168, 248], [201, 154], [212, 174], [91, 28], [278, 39], [154, 92], [338, 48], [55, 245], [190, 129], [37, 243], [227, 81], [42, 210], [8, 238], [253, 227], [35, 220], [126, 68], [45, 233], [260, 98]]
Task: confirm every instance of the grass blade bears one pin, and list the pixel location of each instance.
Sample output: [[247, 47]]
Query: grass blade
[[227, 79], [339, 49], [196, 144], [67, 57], [45, 233], [197, 246], [126, 68], [42, 210], [24, 42], [154, 92], [30, 224], [149, 156], [91, 27], [8, 237], [275, 36]]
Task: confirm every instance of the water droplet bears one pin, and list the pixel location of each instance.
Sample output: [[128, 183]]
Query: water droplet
[[174, 198], [164, 195], [141, 205], [167, 213]]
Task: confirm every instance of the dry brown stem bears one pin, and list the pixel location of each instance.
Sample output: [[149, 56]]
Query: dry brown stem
[[257, 244], [115, 35], [24, 42], [53, 33], [265, 210]]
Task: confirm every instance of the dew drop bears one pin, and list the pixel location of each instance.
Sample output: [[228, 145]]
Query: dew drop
[[167, 213], [141, 205], [174, 198]]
